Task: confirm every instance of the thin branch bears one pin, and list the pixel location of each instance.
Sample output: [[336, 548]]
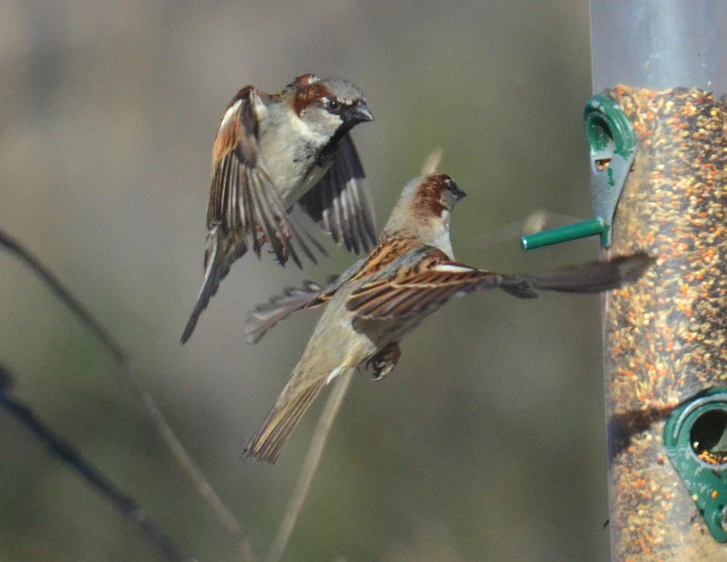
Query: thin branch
[[223, 514], [65, 296], [70, 455], [318, 442]]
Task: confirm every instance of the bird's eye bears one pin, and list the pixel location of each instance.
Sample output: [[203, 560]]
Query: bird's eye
[[333, 103], [454, 189]]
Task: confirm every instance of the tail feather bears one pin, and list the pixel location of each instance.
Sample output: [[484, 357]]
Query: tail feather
[[217, 266], [594, 277], [268, 441]]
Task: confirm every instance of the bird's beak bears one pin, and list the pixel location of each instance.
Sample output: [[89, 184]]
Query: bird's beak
[[458, 193], [358, 113]]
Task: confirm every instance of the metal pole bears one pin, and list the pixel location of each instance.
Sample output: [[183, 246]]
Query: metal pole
[[665, 339]]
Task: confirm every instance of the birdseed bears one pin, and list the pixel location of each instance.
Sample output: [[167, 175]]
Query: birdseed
[[664, 337]]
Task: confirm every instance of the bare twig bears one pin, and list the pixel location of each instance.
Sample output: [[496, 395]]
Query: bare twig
[[309, 467], [70, 455], [223, 514]]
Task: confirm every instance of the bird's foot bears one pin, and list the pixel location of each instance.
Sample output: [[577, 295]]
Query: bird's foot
[[384, 361]]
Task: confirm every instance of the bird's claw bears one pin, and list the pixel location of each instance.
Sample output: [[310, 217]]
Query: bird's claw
[[283, 236], [384, 361]]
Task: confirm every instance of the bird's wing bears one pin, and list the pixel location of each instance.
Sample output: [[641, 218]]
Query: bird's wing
[[244, 206], [426, 286], [341, 201], [243, 200], [266, 315], [435, 278]]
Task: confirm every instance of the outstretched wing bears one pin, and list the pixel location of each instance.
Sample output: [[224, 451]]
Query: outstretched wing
[[341, 201], [243, 201], [426, 287], [435, 279], [266, 315]]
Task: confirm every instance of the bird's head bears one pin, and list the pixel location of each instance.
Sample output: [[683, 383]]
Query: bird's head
[[329, 107], [424, 210]]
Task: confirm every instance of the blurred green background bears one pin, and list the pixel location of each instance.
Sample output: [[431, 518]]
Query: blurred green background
[[486, 443]]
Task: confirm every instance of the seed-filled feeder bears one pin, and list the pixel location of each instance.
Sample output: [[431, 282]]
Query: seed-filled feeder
[[657, 131]]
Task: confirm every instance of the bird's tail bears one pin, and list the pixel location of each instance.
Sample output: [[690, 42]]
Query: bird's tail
[[216, 267], [591, 277], [294, 401]]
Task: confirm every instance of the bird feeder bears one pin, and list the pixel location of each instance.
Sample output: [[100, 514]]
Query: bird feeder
[[665, 338], [657, 129]]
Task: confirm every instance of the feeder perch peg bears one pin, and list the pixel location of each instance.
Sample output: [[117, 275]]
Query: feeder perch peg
[[612, 143]]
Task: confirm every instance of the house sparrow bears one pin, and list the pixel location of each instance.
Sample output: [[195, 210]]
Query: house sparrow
[[275, 150], [408, 276]]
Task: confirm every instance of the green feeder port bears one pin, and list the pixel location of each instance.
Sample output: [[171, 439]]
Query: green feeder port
[[695, 438], [612, 144]]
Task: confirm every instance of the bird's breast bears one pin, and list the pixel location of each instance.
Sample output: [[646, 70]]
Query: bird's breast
[[291, 164]]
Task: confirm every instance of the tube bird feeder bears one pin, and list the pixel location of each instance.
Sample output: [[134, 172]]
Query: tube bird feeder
[[664, 62]]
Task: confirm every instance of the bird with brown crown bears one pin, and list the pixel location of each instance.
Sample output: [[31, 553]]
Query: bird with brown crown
[[273, 151], [408, 277]]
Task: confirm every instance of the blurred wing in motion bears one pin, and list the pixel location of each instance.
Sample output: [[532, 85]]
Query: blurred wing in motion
[[596, 276], [341, 202]]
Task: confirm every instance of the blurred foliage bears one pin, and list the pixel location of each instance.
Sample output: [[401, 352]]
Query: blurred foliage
[[486, 443]]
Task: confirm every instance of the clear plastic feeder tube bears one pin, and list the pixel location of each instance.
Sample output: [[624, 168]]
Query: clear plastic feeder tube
[[659, 44], [665, 339]]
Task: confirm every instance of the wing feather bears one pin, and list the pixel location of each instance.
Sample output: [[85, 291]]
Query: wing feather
[[422, 288], [435, 279], [243, 199], [341, 202], [266, 315]]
